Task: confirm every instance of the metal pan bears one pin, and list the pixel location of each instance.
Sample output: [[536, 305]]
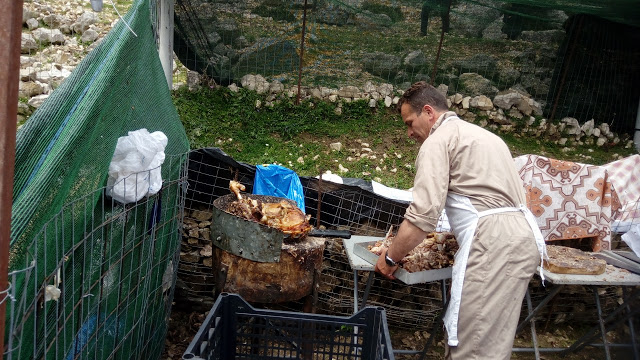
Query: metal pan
[[252, 240], [362, 250]]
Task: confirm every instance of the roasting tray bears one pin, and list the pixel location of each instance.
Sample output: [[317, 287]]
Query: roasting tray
[[362, 250]]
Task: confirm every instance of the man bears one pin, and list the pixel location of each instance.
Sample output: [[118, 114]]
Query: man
[[469, 171]]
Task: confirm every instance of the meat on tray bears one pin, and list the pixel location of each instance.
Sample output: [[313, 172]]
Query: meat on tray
[[566, 260], [436, 251], [282, 215]]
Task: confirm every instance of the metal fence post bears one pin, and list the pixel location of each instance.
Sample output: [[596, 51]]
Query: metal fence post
[[165, 38], [10, 35]]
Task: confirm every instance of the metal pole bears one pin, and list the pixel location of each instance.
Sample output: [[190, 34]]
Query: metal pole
[[10, 35], [304, 27], [165, 38]]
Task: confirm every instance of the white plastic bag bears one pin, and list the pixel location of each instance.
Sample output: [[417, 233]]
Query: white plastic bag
[[632, 238], [134, 171]]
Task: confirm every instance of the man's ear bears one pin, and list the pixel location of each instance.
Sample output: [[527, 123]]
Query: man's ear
[[428, 110]]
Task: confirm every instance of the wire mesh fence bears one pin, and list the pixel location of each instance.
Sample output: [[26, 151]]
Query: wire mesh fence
[[573, 59], [362, 212], [90, 277], [107, 294]]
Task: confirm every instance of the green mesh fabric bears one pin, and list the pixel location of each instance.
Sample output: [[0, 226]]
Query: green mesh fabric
[[114, 264], [575, 58]]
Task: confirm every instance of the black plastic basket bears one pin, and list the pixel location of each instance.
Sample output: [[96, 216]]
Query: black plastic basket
[[235, 330]]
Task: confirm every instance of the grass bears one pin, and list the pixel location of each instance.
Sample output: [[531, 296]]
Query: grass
[[298, 136]]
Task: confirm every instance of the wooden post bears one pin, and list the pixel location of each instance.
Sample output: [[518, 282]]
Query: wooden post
[[165, 37], [435, 64], [10, 36], [304, 27]]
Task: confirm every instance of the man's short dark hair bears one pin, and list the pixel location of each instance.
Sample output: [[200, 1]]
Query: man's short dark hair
[[420, 94]]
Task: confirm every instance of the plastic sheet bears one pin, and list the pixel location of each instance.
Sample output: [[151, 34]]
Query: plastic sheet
[[276, 180]]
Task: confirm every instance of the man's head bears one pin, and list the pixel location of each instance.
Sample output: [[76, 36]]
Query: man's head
[[420, 107]]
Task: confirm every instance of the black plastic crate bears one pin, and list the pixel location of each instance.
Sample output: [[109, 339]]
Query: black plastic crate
[[235, 330]]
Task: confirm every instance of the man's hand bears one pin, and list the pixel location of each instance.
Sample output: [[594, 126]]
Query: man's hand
[[384, 269]]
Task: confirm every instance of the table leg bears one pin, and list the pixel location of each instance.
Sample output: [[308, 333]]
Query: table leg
[[436, 321], [631, 329], [603, 331], [355, 291], [555, 290], [534, 337], [367, 288]]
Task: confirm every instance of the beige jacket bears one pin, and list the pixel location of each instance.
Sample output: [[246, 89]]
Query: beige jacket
[[464, 159]]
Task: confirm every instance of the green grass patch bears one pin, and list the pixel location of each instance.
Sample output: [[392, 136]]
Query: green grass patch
[[298, 136]]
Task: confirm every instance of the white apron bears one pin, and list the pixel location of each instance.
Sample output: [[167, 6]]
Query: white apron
[[463, 218]]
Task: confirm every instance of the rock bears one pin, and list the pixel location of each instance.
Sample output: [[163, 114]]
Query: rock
[[84, 22], [470, 19], [381, 64], [587, 127], [332, 14], [52, 20], [465, 102], [37, 100], [276, 87], [473, 84], [348, 92], [32, 24], [54, 74], [337, 146], [515, 113], [387, 101], [481, 102], [494, 30], [415, 60], [89, 36], [372, 103], [368, 20], [30, 89], [28, 44], [482, 64], [604, 129]]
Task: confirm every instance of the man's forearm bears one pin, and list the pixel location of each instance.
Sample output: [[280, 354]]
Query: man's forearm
[[409, 236]]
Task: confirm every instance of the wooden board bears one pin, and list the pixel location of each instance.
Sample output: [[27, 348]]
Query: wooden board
[[566, 260]]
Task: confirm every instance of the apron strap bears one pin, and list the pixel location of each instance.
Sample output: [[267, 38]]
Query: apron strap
[[537, 234]]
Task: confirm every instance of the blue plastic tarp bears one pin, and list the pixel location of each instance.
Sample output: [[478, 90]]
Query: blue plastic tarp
[[276, 180]]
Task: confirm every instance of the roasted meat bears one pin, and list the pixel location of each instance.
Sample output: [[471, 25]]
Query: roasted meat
[[282, 215], [436, 251]]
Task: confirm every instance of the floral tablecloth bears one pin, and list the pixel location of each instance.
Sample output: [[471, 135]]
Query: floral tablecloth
[[570, 200], [624, 175]]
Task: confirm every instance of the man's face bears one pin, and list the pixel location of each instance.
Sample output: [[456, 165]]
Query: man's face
[[419, 124]]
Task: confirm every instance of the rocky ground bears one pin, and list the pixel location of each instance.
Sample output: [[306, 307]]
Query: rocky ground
[[56, 36]]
